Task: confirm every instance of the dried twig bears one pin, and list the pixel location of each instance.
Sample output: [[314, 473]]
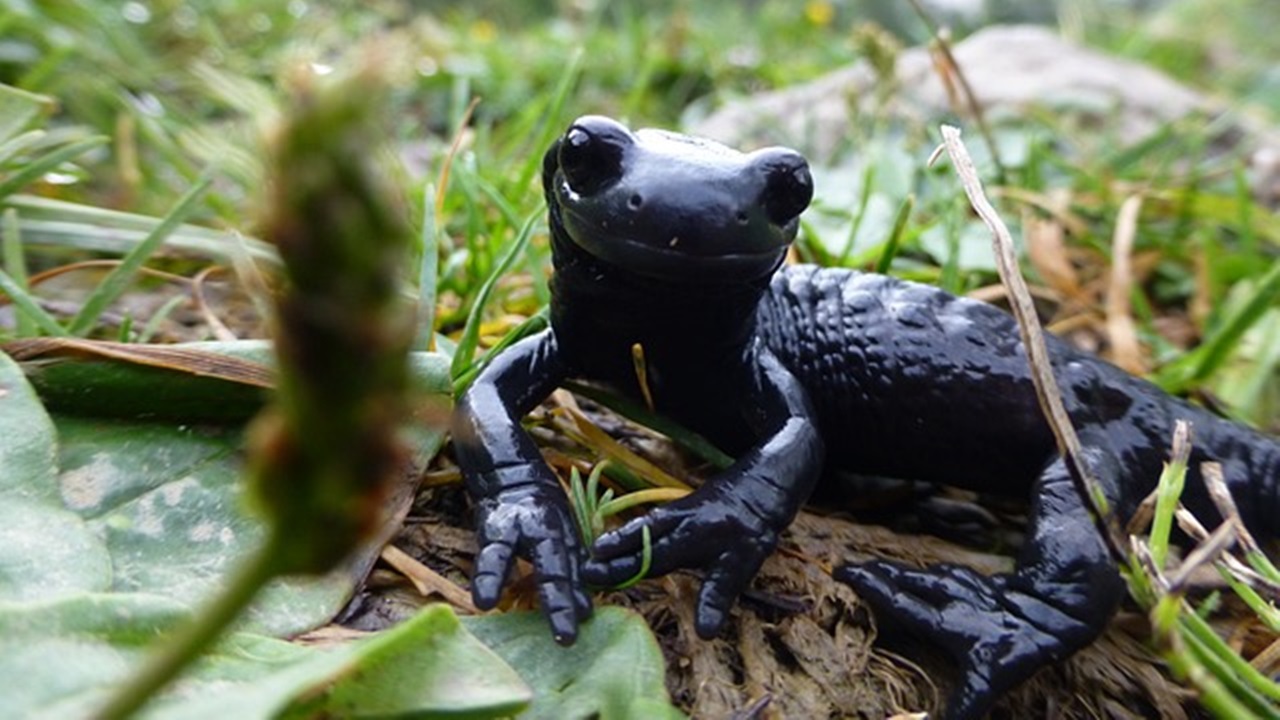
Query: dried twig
[[1046, 385], [428, 582], [1141, 518], [1141, 552], [219, 328], [1205, 553], [1268, 658], [1226, 504]]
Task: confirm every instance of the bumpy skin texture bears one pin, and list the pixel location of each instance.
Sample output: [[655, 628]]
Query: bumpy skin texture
[[675, 244]]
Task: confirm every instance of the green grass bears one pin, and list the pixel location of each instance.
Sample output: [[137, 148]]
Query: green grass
[[116, 120]]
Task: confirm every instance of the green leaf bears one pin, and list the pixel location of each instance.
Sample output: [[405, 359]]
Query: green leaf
[[29, 450], [169, 505], [165, 499], [428, 667], [155, 522], [45, 551], [70, 653], [614, 670], [106, 386]]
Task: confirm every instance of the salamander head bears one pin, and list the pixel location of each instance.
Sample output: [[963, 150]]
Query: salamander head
[[672, 206]]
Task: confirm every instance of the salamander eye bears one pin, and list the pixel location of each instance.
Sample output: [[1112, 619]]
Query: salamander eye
[[788, 184], [591, 153]]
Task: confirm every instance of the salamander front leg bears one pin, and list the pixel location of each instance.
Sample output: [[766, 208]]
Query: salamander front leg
[[1001, 629], [521, 510], [730, 525]]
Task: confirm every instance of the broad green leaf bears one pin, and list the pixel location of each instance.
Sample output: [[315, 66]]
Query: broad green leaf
[[169, 504], [614, 670], [428, 667], [29, 451], [45, 551], [70, 653], [164, 502]]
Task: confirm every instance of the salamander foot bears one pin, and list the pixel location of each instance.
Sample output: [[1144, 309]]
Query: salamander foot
[[998, 631]]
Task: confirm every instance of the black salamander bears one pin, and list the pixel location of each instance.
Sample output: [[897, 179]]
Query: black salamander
[[677, 243]]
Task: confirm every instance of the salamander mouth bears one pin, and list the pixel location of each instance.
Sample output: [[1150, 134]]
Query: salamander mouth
[[669, 261]]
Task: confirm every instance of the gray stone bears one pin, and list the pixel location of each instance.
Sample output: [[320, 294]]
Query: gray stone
[[1013, 70]]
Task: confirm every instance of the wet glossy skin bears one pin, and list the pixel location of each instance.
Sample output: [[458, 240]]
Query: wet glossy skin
[[676, 244]]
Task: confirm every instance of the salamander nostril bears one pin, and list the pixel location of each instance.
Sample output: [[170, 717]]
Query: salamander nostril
[[635, 201]]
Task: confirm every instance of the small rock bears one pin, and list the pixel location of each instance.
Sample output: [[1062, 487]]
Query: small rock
[[1012, 69]]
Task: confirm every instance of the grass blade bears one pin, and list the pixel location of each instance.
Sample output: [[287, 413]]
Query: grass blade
[[463, 357], [38, 167], [1168, 491], [1210, 356], [578, 501], [1246, 683], [641, 497], [535, 324], [15, 263], [549, 127], [620, 456], [895, 236], [864, 199], [29, 306], [46, 221], [428, 272], [152, 325], [119, 278], [20, 143]]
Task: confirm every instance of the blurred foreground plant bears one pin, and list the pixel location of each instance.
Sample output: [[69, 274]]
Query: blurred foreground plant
[[323, 457]]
